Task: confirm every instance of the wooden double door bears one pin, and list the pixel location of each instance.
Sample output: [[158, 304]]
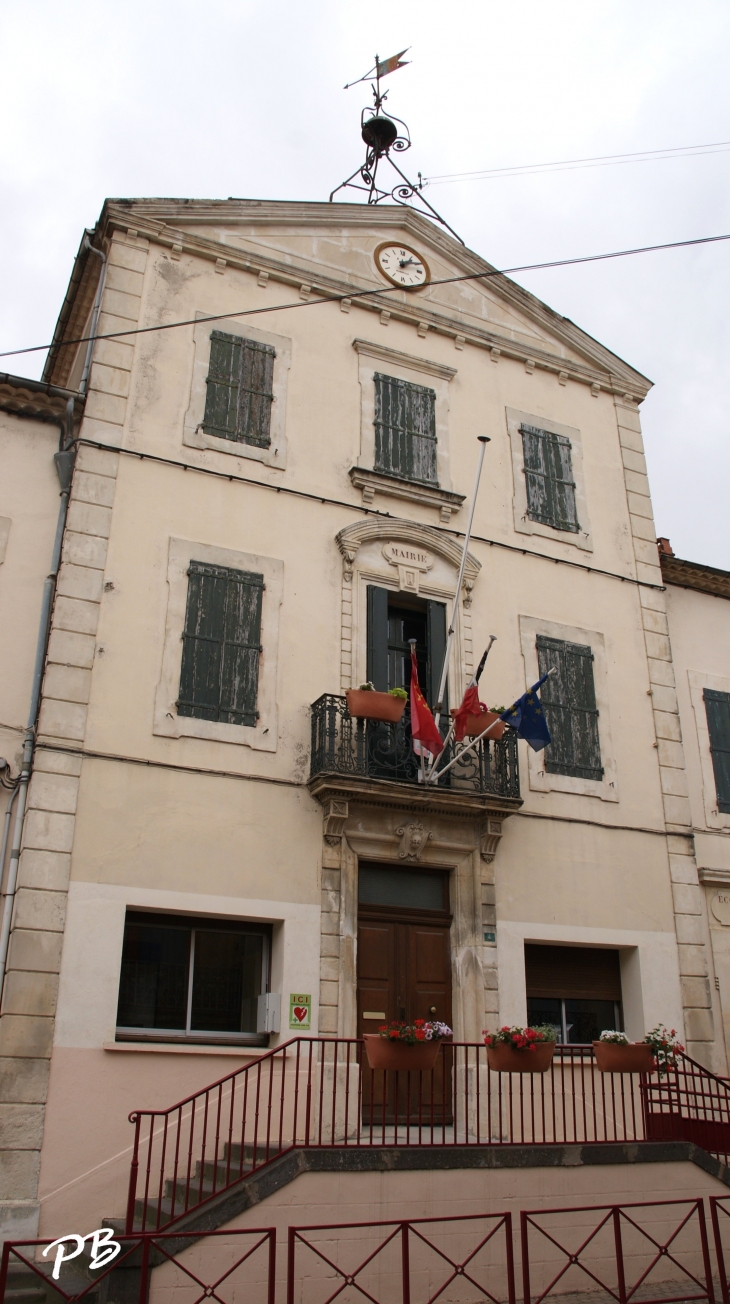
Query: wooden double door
[[404, 973]]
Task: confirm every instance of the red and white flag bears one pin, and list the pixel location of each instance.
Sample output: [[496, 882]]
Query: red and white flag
[[427, 740], [469, 706]]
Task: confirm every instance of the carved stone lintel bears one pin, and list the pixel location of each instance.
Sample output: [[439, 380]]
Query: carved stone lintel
[[335, 812], [413, 840], [489, 840]]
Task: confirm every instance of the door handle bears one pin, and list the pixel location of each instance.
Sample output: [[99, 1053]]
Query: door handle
[[432, 1010]]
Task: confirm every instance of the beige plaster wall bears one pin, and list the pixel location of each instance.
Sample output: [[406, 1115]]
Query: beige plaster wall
[[336, 1198]]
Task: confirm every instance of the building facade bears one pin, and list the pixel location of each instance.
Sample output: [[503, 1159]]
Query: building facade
[[268, 503]]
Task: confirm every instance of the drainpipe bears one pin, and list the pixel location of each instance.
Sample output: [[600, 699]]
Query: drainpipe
[[64, 460], [95, 313], [6, 827]]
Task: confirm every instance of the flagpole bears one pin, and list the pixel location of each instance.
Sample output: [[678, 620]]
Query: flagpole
[[483, 440], [434, 777], [474, 680]]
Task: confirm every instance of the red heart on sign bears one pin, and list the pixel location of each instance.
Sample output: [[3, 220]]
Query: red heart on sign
[[300, 1012]]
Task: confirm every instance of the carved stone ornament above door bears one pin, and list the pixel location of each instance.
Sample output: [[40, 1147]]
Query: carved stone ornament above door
[[422, 539]]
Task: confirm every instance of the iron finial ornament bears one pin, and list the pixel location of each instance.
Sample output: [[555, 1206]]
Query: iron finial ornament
[[384, 135]]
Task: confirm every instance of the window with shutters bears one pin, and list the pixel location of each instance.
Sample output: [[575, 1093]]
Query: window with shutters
[[405, 429], [394, 619], [219, 667], [569, 699], [239, 389], [549, 490], [549, 478], [717, 709], [221, 645]]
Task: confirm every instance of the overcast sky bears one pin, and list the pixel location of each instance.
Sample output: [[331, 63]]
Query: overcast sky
[[245, 98]]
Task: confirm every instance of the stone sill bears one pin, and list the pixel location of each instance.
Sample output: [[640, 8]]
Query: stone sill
[[179, 1048], [372, 482], [410, 796]]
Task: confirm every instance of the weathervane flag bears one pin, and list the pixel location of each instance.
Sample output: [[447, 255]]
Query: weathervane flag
[[384, 66]]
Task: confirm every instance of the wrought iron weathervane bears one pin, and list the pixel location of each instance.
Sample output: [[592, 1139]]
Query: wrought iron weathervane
[[382, 134]]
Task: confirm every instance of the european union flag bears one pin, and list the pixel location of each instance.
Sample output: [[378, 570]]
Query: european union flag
[[526, 717]]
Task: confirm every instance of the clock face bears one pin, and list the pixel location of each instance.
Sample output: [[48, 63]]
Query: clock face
[[402, 266]]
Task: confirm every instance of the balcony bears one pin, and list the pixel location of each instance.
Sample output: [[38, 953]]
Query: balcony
[[364, 755]]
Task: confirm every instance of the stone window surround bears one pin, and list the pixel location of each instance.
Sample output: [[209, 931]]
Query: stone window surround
[[522, 522], [95, 937], [649, 978], [539, 779], [714, 819], [193, 433], [167, 722], [378, 357], [356, 577]]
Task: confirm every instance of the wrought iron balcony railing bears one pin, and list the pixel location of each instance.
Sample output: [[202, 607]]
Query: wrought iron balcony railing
[[368, 749]]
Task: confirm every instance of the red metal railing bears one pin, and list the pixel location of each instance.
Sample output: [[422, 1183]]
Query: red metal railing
[[431, 1253], [320, 1092], [214, 1253], [720, 1215], [618, 1248]]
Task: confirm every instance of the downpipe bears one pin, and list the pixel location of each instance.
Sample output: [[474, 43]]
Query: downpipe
[[64, 461]]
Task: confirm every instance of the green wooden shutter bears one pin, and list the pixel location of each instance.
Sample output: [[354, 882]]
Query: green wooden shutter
[[221, 645], [549, 479], [717, 708], [569, 699], [405, 429], [436, 636], [239, 389], [377, 638]]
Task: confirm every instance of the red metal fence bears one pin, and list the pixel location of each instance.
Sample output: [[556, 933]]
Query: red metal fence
[[655, 1251], [417, 1260], [658, 1248], [319, 1092], [220, 1265]]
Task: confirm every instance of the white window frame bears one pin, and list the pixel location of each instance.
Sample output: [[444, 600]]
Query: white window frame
[[193, 433], [540, 781], [167, 722], [714, 819], [522, 522]]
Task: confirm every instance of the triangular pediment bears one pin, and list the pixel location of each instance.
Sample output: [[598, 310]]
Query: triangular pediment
[[332, 246]]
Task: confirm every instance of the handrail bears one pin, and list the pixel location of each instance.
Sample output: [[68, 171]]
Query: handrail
[[320, 1092]]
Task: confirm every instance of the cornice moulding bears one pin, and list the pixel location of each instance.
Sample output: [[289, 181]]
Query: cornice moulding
[[377, 482], [384, 354], [611, 373], [714, 877]]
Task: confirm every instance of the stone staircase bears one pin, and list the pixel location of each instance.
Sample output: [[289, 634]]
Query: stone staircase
[[208, 1179]]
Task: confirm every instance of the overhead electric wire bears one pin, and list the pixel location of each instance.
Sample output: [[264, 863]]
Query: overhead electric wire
[[573, 164], [364, 294]]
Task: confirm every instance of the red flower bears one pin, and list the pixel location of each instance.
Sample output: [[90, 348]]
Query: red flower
[[420, 1034], [418, 1023]]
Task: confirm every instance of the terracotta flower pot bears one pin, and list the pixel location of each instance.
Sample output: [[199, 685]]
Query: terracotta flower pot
[[366, 705], [476, 724], [507, 1059], [613, 1058], [398, 1055]]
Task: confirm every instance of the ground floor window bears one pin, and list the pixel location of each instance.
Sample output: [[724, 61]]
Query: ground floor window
[[577, 989], [191, 979]]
